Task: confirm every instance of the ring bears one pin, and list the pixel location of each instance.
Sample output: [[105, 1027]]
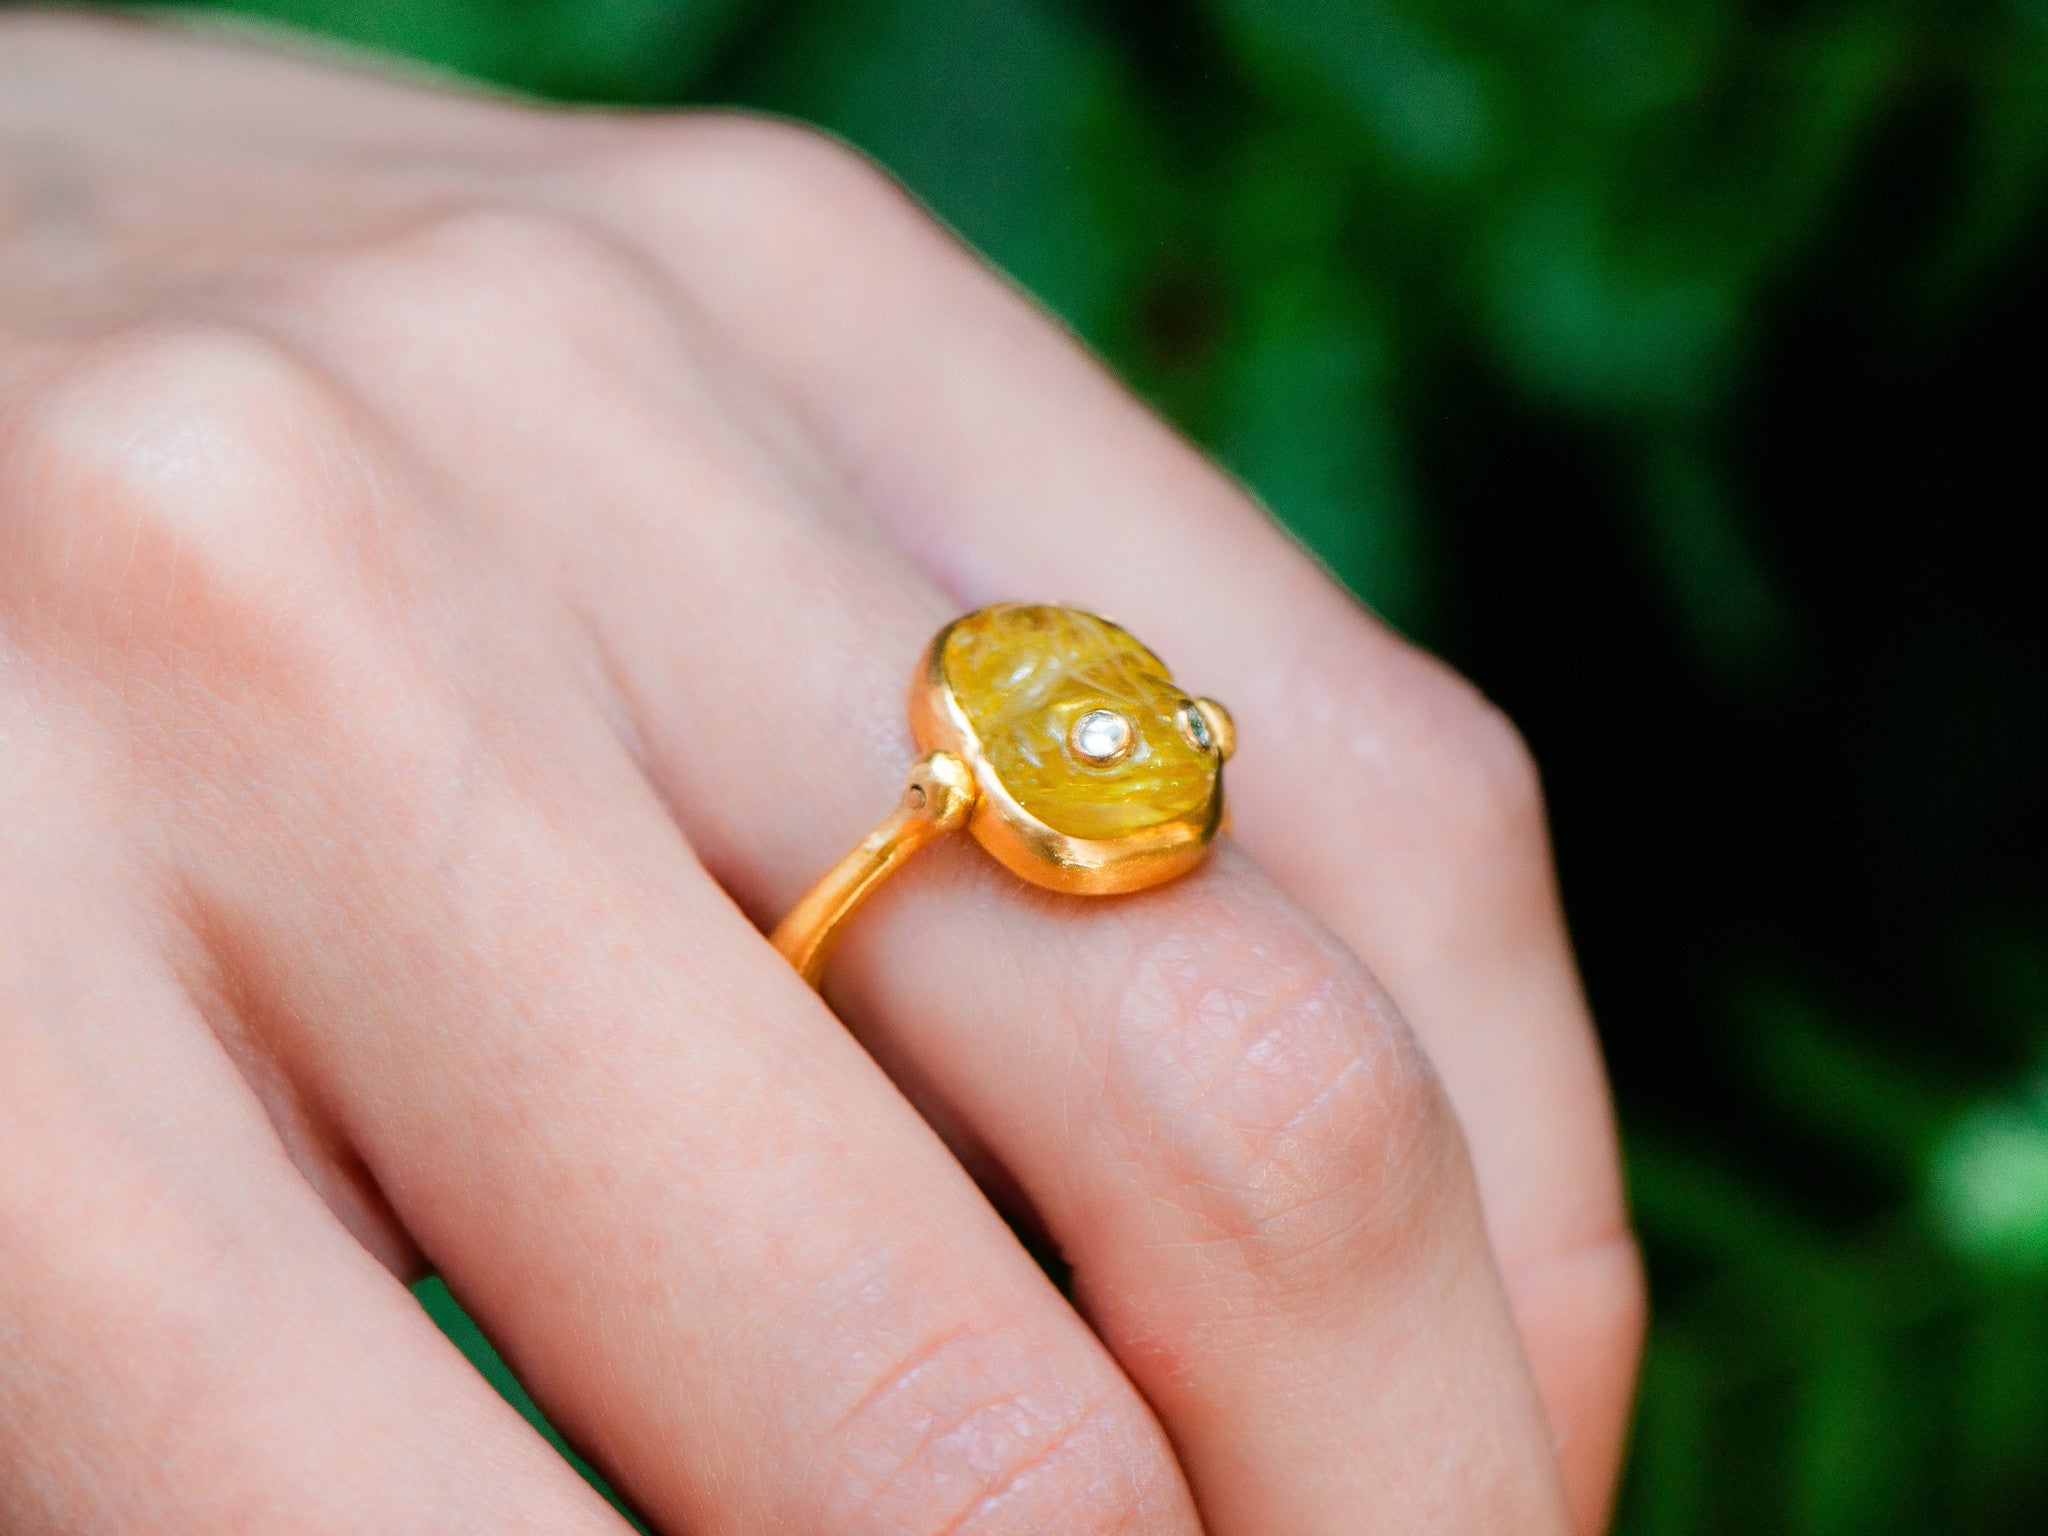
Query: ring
[[1065, 749]]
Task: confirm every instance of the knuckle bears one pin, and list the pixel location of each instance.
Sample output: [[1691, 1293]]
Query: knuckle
[[519, 312], [797, 157], [521, 257], [191, 521], [1272, 1099], [154, 479], [773, 173], [1501, 791], [1612, 1276], [1593, 1286], [1448, 764], [972, 1433], [450, 289]]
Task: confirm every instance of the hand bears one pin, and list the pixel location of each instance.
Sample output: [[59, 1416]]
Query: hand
[[459, 569]]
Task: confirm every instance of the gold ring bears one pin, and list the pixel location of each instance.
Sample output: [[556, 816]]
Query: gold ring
[[1065, 749]]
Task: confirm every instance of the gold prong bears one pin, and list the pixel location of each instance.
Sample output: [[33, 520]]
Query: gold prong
[[938, 799]]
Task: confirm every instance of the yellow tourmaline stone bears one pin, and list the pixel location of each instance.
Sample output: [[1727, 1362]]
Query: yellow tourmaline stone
[[1024, 674]]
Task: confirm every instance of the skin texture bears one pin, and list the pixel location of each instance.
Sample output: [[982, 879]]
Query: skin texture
[[459, 568]]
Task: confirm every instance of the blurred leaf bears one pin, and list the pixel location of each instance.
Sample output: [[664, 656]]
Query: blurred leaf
[[1628, 59], [1829, 1078], [2007, 164], [1421, 105], [1857, 1435], [1989, 1184], [2002, 1403], [1665, 1494], [1306, 423], [1832, 79], [1581, 321], [2001, 967], [600, 50], [1723, 590], [1693, 1202], [986, 111]]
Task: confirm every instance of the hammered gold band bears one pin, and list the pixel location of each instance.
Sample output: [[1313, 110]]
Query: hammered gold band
[[1061, 744]]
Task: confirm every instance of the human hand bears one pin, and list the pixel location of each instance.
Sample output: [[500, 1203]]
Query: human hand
[[459, 568]]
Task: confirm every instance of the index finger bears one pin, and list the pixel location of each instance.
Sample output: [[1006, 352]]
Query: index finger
[[1378, 789]]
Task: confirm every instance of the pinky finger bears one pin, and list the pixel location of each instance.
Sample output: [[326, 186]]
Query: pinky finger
[[190, 1341]]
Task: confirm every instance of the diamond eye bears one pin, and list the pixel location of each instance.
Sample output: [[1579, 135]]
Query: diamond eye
[[1208, 725], [1100, 737]]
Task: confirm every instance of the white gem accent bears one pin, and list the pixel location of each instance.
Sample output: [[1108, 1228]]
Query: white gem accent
[[1101, 736]]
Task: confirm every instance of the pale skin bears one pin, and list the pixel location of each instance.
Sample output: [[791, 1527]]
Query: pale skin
[[460, 566]]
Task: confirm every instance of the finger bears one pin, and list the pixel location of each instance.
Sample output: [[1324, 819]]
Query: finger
[[1219, 1118], [1375, 787], [706, 1232], [190, 1342]]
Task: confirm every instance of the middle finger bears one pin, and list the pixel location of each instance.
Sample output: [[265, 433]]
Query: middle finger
[[721, 1250]]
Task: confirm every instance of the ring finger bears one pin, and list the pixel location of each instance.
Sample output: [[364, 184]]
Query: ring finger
[[1376, 788]]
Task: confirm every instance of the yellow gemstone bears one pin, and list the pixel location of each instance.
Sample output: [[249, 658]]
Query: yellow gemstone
[[1024, 675]]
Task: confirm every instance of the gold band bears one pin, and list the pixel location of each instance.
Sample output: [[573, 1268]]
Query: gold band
[[936, 801], [1066, 749]]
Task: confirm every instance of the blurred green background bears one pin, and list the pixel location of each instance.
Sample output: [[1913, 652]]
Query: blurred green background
[[1665, 364]]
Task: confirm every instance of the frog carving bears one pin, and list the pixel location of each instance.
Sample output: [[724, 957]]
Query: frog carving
[[1094, 771]]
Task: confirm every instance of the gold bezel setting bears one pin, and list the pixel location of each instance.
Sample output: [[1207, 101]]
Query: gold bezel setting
[[1025, 845]]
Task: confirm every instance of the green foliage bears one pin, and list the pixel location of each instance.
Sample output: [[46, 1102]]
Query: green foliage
[[1644, 355]]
